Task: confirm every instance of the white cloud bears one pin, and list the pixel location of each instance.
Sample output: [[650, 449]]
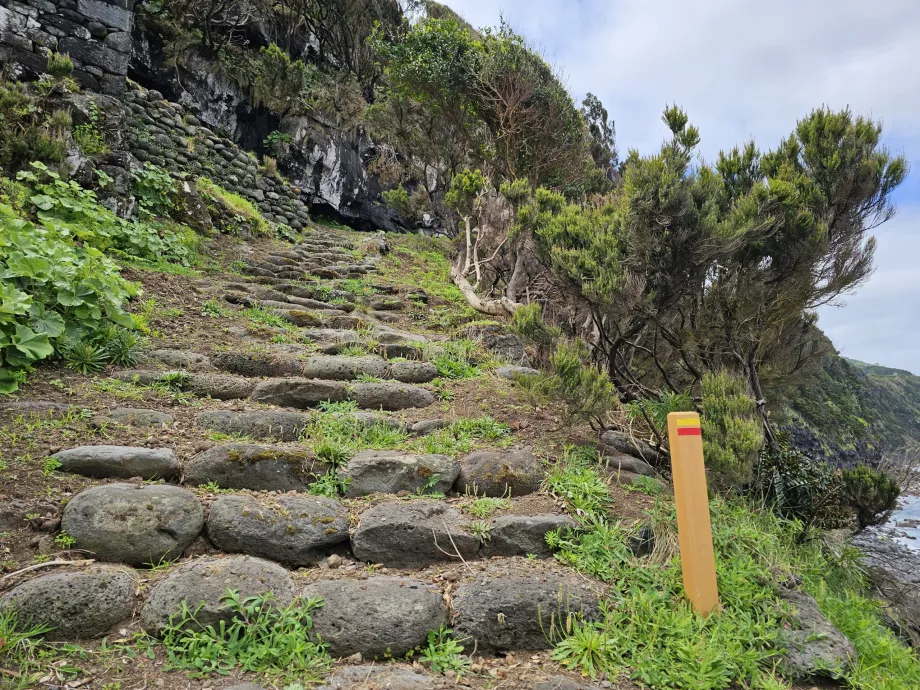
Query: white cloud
[[744, 69]]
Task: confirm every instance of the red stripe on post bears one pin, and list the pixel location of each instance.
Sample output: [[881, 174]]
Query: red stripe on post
[[689, 431]]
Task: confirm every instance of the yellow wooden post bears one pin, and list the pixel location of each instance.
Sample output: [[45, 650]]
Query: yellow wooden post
[[692, 499]]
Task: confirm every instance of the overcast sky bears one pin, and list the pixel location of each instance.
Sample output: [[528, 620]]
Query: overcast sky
[[744, 69]]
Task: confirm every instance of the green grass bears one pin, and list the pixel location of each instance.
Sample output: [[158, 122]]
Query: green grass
[[261, 638], [238, 205], [267, 317], [460, 437], [20, 651], [649, 632], [455, 359]]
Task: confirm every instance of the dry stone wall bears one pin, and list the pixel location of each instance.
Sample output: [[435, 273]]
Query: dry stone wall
[[169, 136], [96, 34]]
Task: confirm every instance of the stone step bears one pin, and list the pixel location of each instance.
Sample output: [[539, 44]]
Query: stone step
[[255, 467], [284, 425], [122, 462], [142, 524], [297, 392], [304, 393], [420, 533], [496, 607]]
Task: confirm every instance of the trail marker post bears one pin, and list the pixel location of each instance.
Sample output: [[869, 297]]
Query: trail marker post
[[692, 500]]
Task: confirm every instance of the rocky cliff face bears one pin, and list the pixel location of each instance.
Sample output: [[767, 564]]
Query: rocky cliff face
[[328, 164]]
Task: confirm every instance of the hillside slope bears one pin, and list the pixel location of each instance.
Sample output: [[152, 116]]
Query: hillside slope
[[855, 412]]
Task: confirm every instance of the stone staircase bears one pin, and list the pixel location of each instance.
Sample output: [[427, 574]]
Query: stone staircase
[[396, 555]]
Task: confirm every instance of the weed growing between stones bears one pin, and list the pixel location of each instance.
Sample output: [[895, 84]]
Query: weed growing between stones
[[455, 359], [215, 310], [648, 630], [329, 485], [461, 436], [267, 317], [20, 650], [261, 638], [484, 506], [444, 653]]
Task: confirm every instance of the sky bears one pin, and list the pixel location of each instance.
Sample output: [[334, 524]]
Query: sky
[[745, 69]]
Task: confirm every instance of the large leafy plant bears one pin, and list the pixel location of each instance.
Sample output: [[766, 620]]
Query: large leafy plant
[[65, 205], [52, 290]]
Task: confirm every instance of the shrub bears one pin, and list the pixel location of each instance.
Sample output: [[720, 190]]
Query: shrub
[[872, 494], [25, 134], [52, 286], [648, 632], [732, 433], [398, 200], [277, 143], [527, 322], [798, 488], [60, 66], [585, 391]]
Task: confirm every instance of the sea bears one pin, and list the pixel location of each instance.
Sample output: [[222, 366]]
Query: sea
[[904, 524]]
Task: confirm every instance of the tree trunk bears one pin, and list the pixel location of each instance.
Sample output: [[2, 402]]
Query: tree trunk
[[494, 307], [753, 377]]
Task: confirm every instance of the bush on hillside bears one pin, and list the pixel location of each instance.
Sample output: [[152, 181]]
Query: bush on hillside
[[732, 433], [527, 323], [798, 488], [586, 393], [870, 493], [27, 133]]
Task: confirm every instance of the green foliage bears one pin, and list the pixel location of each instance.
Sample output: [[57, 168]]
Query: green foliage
[[732, 432], [444, 653], [27, 133], [853, 405], [585, 392], [336, 434], [72, 210], [242, 210], [330, 485], [397, 199], [21, 650], [649, 631], [267, 317], [59, 66], [277, 142], [465, 188], [88, 137], [654, 412], [85, 357], [461, 437], [454, 359], [260, 638], [271, 78], [154, 190], [53, 289], [483, 506], [527, 322], [799, 488], [123, 348], [871, 493], [575, 480]]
